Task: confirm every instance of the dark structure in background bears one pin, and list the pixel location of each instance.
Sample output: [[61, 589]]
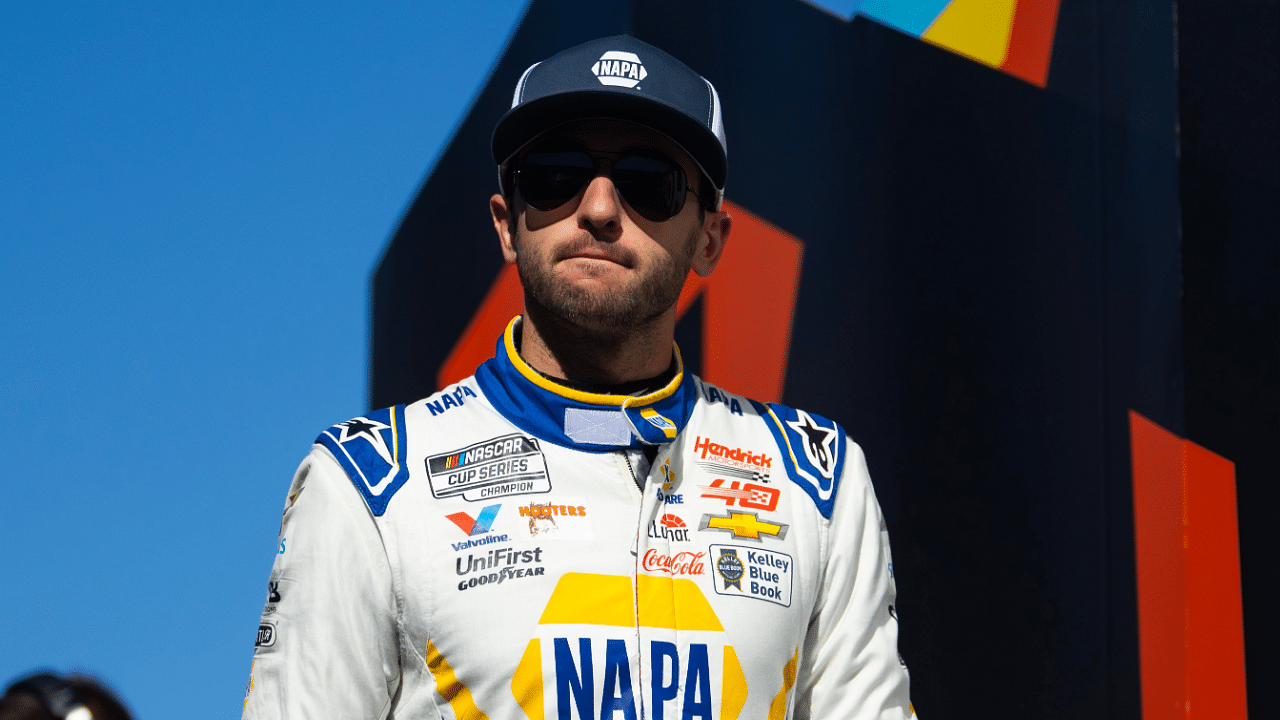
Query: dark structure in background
[[994, 275]]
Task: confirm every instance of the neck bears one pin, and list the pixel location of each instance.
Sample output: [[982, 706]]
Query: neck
[[558, 348]]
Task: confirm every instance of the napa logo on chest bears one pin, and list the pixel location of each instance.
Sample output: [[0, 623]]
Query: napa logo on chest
[[508, 465], [605, 648]]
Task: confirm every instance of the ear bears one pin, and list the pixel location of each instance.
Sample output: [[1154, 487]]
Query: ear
[[711, 241], [502, 219]]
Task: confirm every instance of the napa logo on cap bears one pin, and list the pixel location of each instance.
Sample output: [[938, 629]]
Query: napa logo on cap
[[619, 68]]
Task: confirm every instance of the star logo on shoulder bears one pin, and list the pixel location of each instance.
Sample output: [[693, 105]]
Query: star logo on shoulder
[[818, 441], [371, 432]]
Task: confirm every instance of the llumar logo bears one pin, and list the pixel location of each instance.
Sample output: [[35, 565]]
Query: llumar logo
[[619, 68]]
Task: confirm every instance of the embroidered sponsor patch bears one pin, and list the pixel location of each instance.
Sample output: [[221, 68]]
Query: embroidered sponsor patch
[[507, 465], [753, 573], [266, 635], [495, 567], [669, 527], [725, 461], [748, 495], [744, 525], [560, 518], [679, 564]]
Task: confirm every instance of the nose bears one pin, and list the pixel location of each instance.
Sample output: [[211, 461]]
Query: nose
[[600, 210]]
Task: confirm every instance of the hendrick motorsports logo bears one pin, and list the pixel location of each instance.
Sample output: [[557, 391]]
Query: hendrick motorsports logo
[[508, 465], [623, 69]]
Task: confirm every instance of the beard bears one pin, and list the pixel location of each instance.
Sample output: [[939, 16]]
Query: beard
[[613, 313]]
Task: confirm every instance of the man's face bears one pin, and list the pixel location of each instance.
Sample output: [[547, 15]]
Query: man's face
[[595, 261]]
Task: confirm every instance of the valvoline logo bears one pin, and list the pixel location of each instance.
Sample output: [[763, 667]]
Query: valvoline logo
[[622, 69], [478, 525]]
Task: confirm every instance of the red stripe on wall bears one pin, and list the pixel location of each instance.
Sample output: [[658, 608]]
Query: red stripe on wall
[[1162, 568], [1031, 40], [1215, 625], [1190, 623], [504, 301]]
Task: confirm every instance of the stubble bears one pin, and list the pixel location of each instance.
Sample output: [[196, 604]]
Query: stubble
[[604, 312]]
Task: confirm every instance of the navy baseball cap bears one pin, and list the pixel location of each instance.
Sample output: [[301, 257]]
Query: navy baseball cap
[[620, 78]]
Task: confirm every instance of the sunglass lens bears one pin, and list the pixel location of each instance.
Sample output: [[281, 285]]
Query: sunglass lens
[[654, 188], [548, 180]]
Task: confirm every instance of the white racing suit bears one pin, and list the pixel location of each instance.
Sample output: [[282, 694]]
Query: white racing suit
[[488, 553]]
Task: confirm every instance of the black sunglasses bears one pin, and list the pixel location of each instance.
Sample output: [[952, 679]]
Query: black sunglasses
[[653, 186]]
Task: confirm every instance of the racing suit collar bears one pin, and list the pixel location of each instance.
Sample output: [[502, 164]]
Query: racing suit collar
[[594, 422]]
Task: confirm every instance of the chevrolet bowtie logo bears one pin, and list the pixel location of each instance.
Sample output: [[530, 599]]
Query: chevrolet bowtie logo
[[743, 525]]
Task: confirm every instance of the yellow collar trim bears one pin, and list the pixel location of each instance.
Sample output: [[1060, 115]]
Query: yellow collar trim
[[533, 376]]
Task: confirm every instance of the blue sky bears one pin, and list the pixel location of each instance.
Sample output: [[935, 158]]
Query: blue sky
[[192, 200]]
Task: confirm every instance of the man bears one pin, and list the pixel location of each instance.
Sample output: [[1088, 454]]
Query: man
[[583, 529]]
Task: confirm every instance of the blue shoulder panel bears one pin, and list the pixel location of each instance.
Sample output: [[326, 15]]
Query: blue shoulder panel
[[372, 449], [814, 449]]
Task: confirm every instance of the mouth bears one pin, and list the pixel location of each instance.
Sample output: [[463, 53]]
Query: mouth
[[595, 252]]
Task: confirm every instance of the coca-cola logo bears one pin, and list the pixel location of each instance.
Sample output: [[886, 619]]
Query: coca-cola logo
[[682, 563]]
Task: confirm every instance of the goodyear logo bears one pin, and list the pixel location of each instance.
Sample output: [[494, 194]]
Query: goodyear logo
[[498, 566], [622, 69]]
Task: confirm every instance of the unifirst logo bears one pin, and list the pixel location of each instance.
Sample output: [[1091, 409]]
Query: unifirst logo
[[618, 68]]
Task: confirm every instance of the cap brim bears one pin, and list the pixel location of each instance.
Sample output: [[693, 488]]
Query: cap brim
[[529, 120]]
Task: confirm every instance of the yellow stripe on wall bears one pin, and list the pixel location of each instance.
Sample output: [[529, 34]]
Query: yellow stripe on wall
[[450, 688], [979, 29]]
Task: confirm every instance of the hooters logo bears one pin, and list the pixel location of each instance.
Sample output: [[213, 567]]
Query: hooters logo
[[678, 565]]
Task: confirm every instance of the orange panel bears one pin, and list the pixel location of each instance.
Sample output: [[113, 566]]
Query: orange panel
[[1031, 42], [1161, 564], [749, 308], [1190, 621], [504, 301], [1215, 625]]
